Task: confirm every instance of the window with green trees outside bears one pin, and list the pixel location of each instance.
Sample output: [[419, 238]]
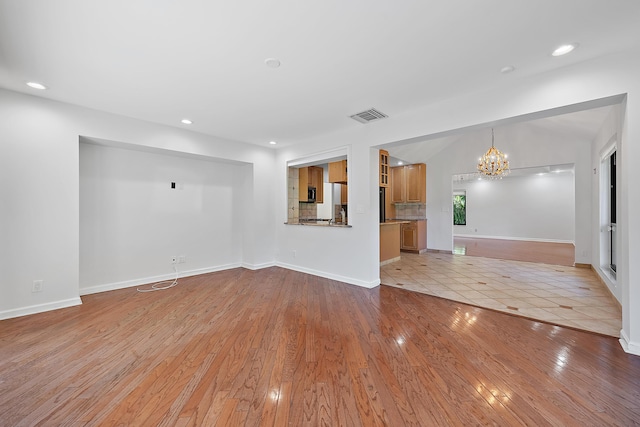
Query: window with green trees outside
[[459, 209]]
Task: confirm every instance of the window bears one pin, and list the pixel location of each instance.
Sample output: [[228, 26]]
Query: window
[[459, 208]]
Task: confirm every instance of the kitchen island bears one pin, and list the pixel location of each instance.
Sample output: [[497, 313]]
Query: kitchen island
[[390, 241]]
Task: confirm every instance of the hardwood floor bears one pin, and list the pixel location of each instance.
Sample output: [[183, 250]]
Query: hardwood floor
[[276, 347], [516, 250]]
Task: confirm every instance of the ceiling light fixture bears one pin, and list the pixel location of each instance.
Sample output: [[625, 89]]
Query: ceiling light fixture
[[564, 49], [186, 121], [272, 62], [493, 164], [508, 69], [36, 85], [272, 142]]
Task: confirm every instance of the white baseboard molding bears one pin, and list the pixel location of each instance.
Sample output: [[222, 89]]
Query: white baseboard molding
[[628, 346], [331, 276], [147, 280], [39, 308], [389, 261], [258, 266], [523, 239]]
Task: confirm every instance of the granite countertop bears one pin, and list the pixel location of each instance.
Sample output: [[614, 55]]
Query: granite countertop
[[394, 221], [320, 224]]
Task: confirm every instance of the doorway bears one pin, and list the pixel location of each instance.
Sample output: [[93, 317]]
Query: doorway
[[608, 202]]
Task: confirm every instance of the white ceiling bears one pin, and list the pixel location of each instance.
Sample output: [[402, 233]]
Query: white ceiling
[[162, 60], [580, 125]]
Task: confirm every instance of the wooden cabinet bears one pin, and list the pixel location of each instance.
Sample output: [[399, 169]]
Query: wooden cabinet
[[344, 194], [384, 169], [409, 183], [389, 242], [413, 236], [397, 185], [311, 176], [338, 172]]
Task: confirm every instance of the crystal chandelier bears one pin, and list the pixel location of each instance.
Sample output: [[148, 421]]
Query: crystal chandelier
[[493, 164]]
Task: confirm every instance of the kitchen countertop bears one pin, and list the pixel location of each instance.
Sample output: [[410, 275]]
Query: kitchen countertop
[[394, 221], [320, 224]]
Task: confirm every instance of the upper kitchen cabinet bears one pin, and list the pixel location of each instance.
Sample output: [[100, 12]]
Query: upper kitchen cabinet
[[384, 168], [338, 172], [311, 177], [409, 183]]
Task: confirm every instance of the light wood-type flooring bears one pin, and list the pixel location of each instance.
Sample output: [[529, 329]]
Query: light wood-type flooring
[[276, 347], [516, 250]]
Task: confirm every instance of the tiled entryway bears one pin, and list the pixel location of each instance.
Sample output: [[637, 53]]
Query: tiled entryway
[[567, 296]]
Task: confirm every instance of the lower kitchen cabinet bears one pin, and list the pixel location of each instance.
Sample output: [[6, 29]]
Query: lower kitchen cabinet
[[413, 236]]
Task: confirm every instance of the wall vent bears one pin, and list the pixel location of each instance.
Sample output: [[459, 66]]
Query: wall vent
[[369, 116]]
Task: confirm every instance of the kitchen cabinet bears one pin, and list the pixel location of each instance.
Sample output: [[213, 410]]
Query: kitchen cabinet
[[397, 185], [413, 236], [384, 169], [311, 176], [389, 242], [409, 183], [338, 172], [344, 194]]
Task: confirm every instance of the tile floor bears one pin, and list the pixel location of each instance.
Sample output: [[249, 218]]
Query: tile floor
[[566, 296]]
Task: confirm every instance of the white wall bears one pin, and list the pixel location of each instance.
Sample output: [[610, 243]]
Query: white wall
[[132, 222], [531, 207], [39, 214], [610, 133]]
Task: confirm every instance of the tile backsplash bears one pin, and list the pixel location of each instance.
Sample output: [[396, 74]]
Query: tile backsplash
[[411, 210], [308, 211], [293, 201]]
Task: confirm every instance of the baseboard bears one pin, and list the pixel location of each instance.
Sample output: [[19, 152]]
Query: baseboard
[[389, 261], [258, 266], [628, 346], [40, 308], [580, 265], [154, 279], [605, 284], [523, 239], [331, 276], [440, 251]]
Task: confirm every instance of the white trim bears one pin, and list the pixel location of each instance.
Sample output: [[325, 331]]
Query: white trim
[[627, 346], [331, 276], [258, 266], [389, 261], [524, 239], [40, 308], [322, 156], [147, 280]]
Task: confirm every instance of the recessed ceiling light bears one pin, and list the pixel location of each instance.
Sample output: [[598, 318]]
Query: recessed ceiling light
[[272, 62], [507, 69], [400, 163], [186, 121], [564, 49], [36, 85], [272, 142]]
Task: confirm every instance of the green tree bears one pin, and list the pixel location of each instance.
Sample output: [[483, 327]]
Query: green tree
[[459, 209]]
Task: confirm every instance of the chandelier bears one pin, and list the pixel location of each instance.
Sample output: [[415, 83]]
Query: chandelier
[[493, 164]]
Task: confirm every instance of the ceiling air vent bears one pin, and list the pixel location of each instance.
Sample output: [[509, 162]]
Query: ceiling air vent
[[369, 116]]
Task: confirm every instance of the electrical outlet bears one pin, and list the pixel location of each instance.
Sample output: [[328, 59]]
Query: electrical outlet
[[182, 259], [294, 253], [174, 260], [37, 286]]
